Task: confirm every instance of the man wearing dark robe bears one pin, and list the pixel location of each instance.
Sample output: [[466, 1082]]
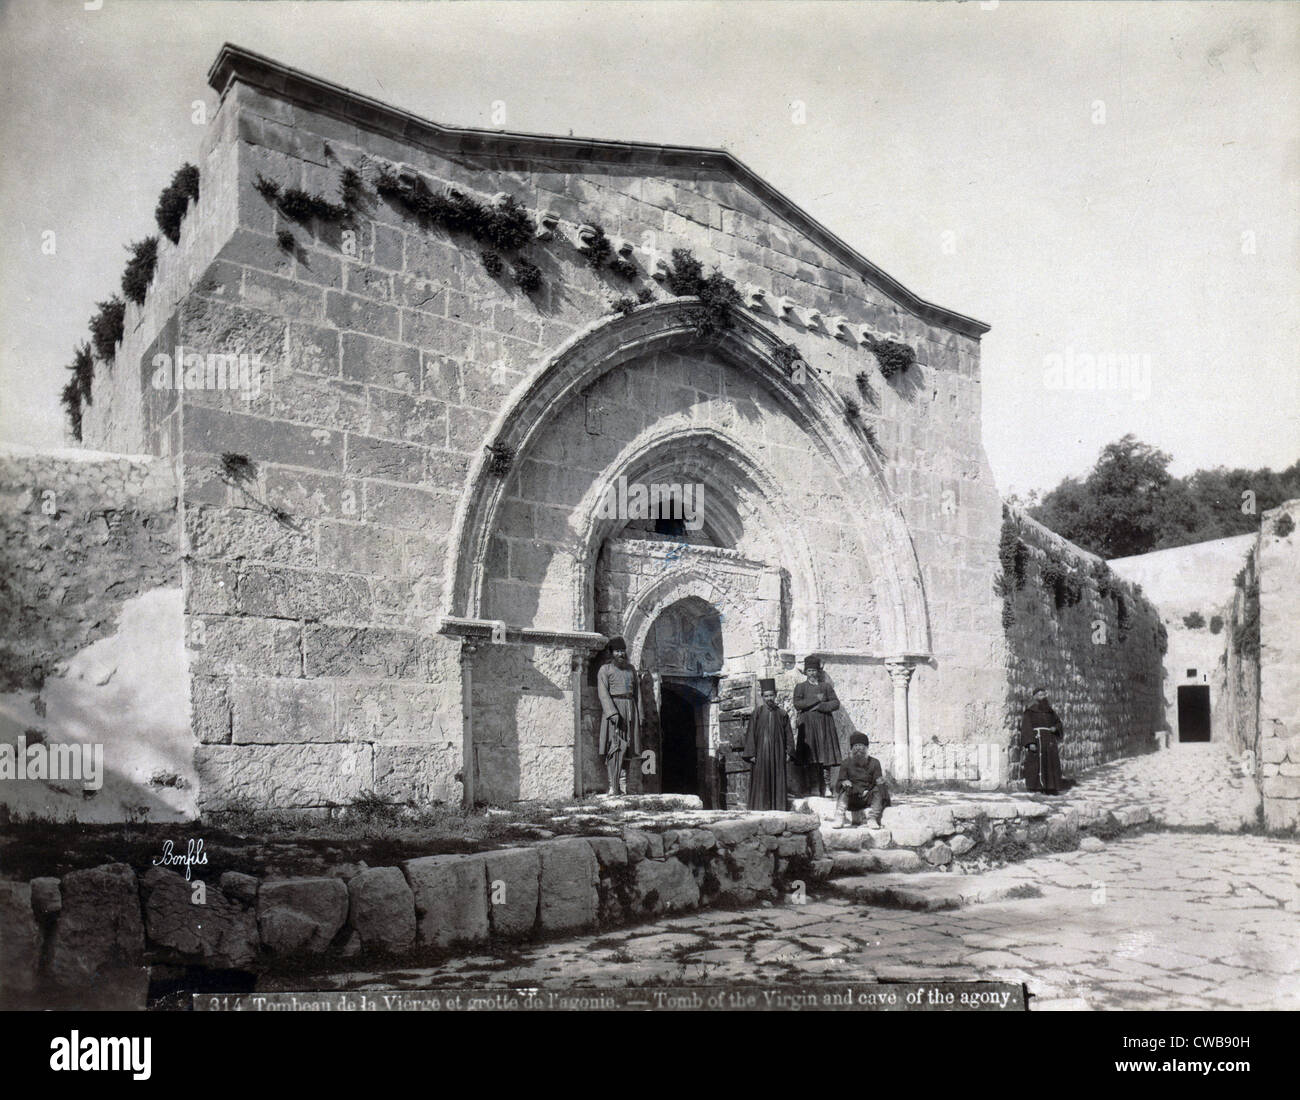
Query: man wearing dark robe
[[767, 748], [1040, 739], [620, 706], [819, 743]]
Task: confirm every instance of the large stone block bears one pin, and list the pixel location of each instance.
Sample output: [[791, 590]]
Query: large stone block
[[419, 774], [450, 898], [367, 652], [19, 938], [252, 647], [729, 833], [217, 431], [284, 776], [912, 826], [570, 878], [663, 886], [99, 927], [748, 871], [301, 914], [512, 883], [282, 710], [246, 533], [360, 548], [309, 594], [382, 908], [380, 362], [384, 459], [221, 932]]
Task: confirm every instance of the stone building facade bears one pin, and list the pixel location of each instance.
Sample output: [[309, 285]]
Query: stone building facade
[[398, 567]]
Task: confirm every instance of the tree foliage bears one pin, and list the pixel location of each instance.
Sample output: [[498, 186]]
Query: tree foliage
[[1129, 503]]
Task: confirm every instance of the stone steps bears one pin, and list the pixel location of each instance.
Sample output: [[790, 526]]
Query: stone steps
[[931, 891]]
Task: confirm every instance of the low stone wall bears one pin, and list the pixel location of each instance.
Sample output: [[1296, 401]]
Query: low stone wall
[[1279, 666], [94, 933]]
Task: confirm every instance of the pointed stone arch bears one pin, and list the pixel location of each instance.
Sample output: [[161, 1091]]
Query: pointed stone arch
[[668, 326]]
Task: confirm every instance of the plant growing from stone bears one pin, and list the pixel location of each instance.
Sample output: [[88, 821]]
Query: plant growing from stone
[[70, 399], [718, 294], [527, 276], [599, 247], [107, 326], [492, 262], [139, 269], [852, 407], [351, 188], [500, 459], [645, 296], [1216, 624], [786, 356], [286, 240], [1194, 621], [1283, 525], [174, 202], [893, 357], [623, 268], [623, 305]]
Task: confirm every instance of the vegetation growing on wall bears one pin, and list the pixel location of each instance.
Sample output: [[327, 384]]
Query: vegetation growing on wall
[[500, 459], [139, 269], [1245, 637], [174, 202], [1194, 621], [107, 326], [599, 247], [1283, 525], [718, 294], [894, 357]]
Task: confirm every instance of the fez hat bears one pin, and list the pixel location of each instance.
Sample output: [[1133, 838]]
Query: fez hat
[[858, 739], [812, 664], [616, 643], [1039, 688], [767, 685]]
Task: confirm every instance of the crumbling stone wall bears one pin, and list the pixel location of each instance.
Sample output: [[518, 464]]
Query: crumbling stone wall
[[1091, 639], [90, 632], [1237, 709]]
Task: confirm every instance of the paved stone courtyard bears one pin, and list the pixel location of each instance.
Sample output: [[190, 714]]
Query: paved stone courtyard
[[1162, 920]]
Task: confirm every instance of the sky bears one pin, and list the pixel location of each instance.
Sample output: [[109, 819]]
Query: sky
[[1095, 180]]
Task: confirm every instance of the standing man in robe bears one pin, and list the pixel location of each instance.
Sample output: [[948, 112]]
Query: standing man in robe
[[816, 702], [620, 705], [767, 748], [1040, 739]]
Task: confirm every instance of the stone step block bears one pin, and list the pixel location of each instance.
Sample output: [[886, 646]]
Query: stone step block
[[853, 839], [928, 892], [881, 861]]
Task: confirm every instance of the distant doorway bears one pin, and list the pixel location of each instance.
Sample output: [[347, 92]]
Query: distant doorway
[[1194, 713], [683, 724]]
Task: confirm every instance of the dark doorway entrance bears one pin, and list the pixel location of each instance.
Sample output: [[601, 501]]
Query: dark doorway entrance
[[1194, 713], [683, 714]]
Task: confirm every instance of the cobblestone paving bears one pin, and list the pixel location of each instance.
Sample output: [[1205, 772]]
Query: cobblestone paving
[[1197, 784], [1158, 921]]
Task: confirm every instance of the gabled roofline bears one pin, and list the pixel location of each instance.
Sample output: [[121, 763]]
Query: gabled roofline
[[234, 63]]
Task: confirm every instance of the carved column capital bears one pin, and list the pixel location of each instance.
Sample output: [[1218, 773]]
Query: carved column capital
[[900, 670]]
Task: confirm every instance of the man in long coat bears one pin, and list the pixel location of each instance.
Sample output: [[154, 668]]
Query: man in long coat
[[1040, 739], [819, 743], [767, 748], [620, 706]]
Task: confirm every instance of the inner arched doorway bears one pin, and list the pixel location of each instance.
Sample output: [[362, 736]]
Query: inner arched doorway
[[683, 657]]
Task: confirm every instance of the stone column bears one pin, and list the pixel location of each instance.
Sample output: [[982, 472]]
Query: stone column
[[900, 673], [578, 667], [467, 651]]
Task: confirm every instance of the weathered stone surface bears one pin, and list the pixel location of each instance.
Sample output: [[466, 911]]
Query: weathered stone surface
[[663, 886], [912, 826], [690, 840], [1091, 844], [747, 872], [219, 933], [301, 914], [19, 938], [237, 885], [569, 880], [960, 844], [796, 845], [99, 927], [47, 898], [610, 850], [513, 878], [382, 908], [287, 776], [897, 859], [938, 854], [450, 897], [733, 832]]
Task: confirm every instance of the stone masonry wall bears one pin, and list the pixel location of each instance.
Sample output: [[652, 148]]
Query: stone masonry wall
[[91, 627], [1279, 666], [1100, 656], [1236, 711], [312, 596]]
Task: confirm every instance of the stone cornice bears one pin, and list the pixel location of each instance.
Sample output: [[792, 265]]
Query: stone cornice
[[480, 630], [233, 63]]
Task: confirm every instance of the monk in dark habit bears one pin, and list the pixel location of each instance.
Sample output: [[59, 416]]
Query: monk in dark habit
[[767, 748], [819, 743], [1040, 740], [620, 707]]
